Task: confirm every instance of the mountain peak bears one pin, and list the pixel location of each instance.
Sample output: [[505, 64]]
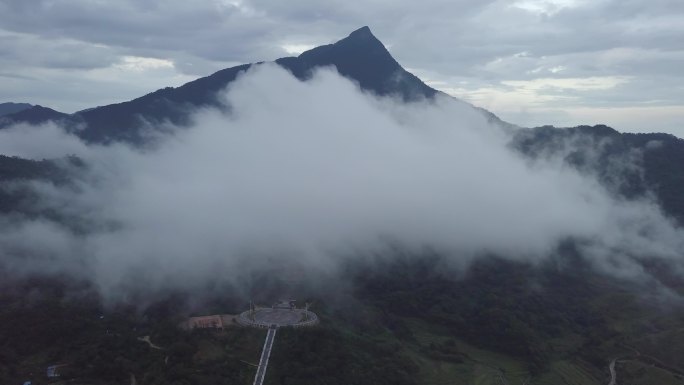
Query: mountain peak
[[362, 32], [363, 58], [360, 57], [364, 40]]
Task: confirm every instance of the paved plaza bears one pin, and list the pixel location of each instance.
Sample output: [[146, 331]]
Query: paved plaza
[[268, 317]]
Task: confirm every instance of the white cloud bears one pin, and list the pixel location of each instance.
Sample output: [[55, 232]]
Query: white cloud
[[541, 85], [557, 69], [136, 63], [308, 181], [547, 6], [516, 95], [296, 49]]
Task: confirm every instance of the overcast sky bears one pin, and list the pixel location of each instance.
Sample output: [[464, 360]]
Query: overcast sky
[[532, 62]]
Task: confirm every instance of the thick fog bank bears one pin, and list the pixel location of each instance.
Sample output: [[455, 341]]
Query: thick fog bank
[[301, 172]]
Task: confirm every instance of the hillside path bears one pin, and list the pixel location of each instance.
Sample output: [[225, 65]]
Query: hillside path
[[613, 375]]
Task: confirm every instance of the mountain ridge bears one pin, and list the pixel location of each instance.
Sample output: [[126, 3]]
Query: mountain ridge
[[363, 58], [34, 115], [360, 57], [11, 108]]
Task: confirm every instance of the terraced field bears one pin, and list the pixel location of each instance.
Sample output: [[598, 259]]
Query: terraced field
[[569, 373]]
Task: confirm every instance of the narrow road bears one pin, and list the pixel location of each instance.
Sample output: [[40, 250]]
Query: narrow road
[[265, 354], [613, 376], [149, 342]]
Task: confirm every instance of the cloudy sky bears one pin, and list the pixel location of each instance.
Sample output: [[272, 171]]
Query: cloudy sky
[[532, 62]]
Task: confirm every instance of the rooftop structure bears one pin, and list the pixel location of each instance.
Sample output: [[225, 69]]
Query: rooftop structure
[[206, 322], [283, 304]]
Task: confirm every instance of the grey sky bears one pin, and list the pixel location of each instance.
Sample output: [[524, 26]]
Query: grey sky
[[532, 62]]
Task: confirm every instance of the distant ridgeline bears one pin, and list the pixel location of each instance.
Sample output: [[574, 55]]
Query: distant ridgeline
[[11, 108], [631, 165], [363, 58]]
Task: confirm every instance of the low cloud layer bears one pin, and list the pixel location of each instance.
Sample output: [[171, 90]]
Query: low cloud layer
[[300, 172]]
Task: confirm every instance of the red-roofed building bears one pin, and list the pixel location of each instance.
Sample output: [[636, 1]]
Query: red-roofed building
[[206, 322]]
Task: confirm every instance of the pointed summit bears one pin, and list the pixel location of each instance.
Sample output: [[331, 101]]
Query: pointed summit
[[363, 58], [363, 40], [363, 32]]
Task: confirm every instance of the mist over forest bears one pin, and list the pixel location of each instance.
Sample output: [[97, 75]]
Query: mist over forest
[[304, 181]]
